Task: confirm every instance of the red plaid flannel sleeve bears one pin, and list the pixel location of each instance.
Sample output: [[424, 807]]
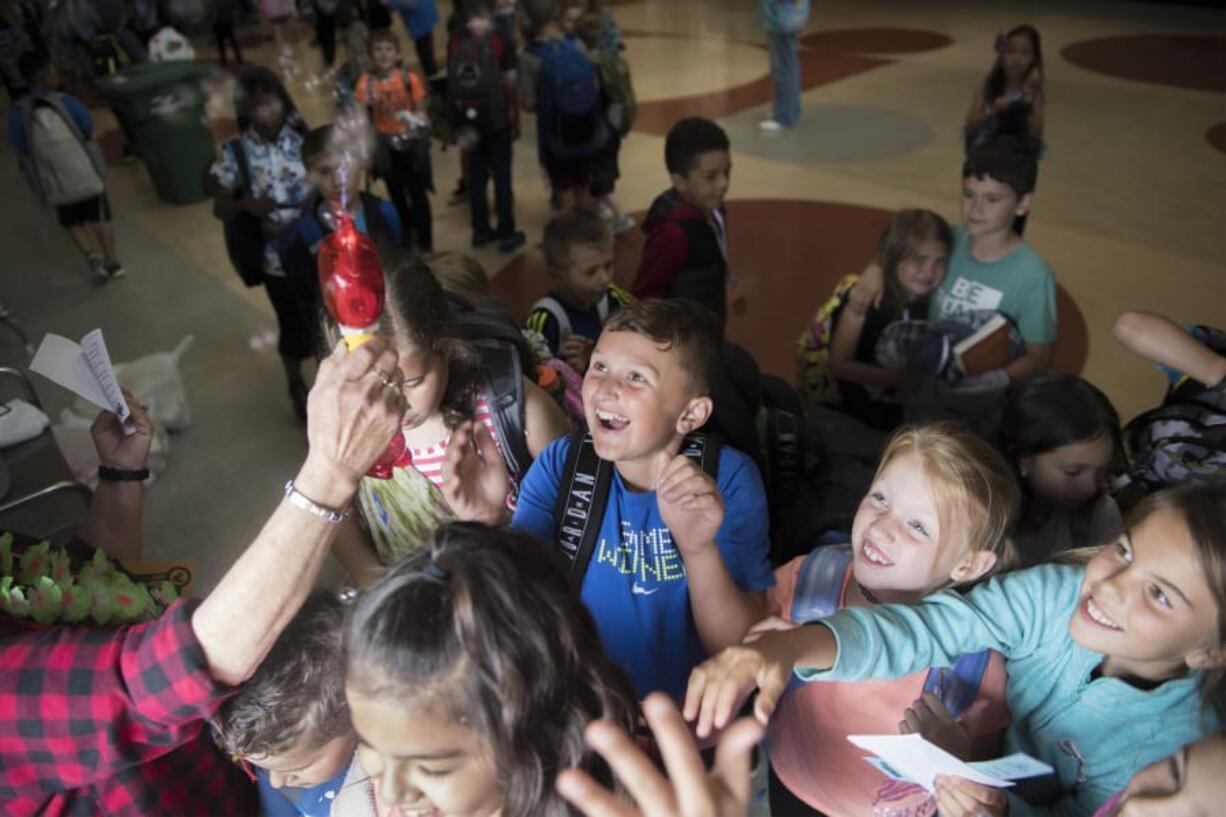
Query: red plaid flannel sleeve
[[96, 720]]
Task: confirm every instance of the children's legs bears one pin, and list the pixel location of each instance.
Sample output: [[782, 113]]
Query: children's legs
[[397, 191], [80, 237], [785, 76], [412, 180], [105, 234], [504, 195], [294, 341], [424, 45], [325, 31], [479, 160]]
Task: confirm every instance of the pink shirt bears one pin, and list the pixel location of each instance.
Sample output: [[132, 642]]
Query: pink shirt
[[809, 750]]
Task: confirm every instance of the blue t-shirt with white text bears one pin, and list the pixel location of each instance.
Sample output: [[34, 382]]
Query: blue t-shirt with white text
[[635, 586]]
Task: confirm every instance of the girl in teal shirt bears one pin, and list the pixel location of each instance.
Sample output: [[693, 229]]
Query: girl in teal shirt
[[1112, 665]]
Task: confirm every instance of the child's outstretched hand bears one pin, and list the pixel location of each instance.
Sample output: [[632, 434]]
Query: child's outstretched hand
[[929, 718], [475, 477], [959, 797], [689, 501], [689, 790], [719, 685]]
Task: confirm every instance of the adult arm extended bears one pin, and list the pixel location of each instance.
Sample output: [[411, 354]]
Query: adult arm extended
[[351, 417]]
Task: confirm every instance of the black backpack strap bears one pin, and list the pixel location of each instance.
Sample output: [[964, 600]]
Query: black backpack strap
[[703, 449], [504, 392], [583, 494]]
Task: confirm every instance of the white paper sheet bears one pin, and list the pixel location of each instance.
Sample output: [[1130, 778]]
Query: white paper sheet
[[84, 371], [919, 761]]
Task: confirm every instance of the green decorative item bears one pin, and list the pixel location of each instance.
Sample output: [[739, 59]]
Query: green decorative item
[[43, 588]]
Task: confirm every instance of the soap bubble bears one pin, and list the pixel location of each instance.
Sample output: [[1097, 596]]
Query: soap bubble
[[353, 141]]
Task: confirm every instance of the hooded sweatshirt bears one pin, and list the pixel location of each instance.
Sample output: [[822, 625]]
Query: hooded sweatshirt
[[683, 257]]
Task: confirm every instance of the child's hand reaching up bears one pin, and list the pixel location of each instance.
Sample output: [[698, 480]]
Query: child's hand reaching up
[[475, 477], [929, 718], [720, 685], [958, 797], [690, 504], [689, 791]]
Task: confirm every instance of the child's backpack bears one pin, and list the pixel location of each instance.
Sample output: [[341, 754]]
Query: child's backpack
[[244, 233], [474, 85], [1184, 439], [583, 495], [816, 385], [819, 586], [619, 90], [106, 55], [505, 358], [570, 118], [555, 309], [62, 166]]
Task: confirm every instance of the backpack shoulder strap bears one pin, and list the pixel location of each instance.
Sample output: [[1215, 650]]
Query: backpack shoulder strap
[[504, 392], [583, 494], [703, 449], [554, 307], [235, 146], [958, 686], [819, 584]]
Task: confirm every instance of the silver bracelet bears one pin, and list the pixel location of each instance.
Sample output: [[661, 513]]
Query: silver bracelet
[[304, 502]]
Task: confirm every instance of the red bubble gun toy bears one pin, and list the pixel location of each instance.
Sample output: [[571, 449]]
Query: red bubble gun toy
[[351, 280]]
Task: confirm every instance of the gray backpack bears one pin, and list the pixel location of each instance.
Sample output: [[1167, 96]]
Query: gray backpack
[[62, 166]]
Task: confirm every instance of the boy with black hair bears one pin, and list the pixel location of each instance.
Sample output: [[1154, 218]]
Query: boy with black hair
[[52, 134], [686, 251], [665, 530], [990, 265], [290, 721], [298, 244], [481, 92], [578, 251]]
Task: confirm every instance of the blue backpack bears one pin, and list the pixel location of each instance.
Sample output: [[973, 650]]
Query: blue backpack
[[570, 115], [818, 588]]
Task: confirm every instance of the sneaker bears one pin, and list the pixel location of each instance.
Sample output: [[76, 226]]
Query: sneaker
[[770, 126], [482, 238], [510, 243], [623, 224], [97, 266], [115, 270]]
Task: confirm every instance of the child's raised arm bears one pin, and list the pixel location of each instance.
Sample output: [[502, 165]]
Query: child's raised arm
[[1156, 338]]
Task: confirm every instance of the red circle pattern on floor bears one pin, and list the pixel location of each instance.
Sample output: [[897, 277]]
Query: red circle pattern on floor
[[1217, 136], [787, 255], [1179, 60]]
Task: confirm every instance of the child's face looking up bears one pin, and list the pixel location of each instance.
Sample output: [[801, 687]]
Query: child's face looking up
[[425, 382], [706, 184], [1146, 604], [384, 55], [901, 554], [422, 763], [586, 280], [305, 765], [636, 397], [923, 268], [989, 206], [326, 177], [1071, 475]]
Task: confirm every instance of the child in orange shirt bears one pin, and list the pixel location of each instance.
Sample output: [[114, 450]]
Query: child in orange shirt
[[396, 100], [937, 515]]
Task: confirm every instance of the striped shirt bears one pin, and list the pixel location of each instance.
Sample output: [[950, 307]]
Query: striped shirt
[[428, 461]]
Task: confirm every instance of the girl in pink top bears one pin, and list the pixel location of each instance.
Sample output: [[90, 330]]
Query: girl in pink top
[[938, 514]]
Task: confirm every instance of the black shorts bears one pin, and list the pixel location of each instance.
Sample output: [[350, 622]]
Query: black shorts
[[86, 211], [567, 174], [604, 168]]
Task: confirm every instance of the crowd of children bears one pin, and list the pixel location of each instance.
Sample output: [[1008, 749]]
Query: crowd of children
[[1021, 573]]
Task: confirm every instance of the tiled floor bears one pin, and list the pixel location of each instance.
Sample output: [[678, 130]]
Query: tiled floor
[[1130, 211]]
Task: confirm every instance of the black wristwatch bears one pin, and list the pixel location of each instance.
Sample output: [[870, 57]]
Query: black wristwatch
[[121, 474]]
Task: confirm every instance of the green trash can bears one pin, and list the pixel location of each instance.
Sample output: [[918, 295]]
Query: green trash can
[[160, 107]]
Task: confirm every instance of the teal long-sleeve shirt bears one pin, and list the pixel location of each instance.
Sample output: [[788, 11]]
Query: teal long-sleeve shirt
[[1095, 733]]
